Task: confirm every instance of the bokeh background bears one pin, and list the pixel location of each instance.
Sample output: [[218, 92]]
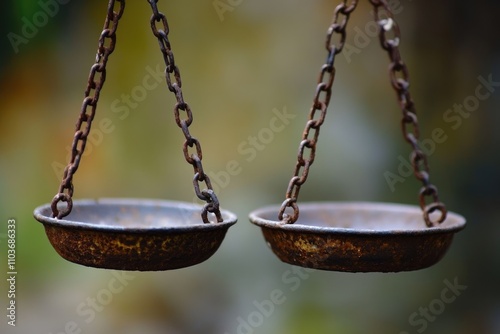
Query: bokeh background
[[237, 67]]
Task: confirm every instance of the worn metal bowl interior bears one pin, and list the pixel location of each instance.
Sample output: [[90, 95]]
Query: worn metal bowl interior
[[132, 234], [357, 236]]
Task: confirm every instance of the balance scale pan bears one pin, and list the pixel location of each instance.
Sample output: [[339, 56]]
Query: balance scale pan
[[134, 234], [357, 236]]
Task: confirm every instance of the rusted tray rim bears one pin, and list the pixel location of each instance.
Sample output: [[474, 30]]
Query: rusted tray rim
[[229, 217], [255, 218]]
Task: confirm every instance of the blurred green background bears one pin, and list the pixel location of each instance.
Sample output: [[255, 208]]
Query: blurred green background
[[238, 65]]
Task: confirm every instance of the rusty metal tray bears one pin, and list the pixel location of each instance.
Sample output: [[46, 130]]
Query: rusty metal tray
[[357, 236], [134, 234]]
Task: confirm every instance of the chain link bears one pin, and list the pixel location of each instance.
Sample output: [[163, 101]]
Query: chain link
[[399, 78], [317, 113], [160, 28], [97, 76]]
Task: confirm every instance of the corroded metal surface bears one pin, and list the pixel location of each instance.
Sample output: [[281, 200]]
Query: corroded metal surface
[[134, 234], [358, 237]]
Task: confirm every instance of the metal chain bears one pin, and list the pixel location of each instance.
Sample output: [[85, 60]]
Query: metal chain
[[399, 77], [317, 112], [174, 85], [96, 79]]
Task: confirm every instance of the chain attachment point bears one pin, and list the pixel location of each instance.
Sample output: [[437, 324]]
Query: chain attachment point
[[61, 197], [435, 206], [212, 206], [286, 218]]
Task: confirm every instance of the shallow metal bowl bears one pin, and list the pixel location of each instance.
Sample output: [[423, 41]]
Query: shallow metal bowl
[[133, 234], [357, 236]]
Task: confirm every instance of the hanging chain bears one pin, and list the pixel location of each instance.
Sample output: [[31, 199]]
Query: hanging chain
[[96, 79], [174, 85], [317, 112], [399, 77]]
